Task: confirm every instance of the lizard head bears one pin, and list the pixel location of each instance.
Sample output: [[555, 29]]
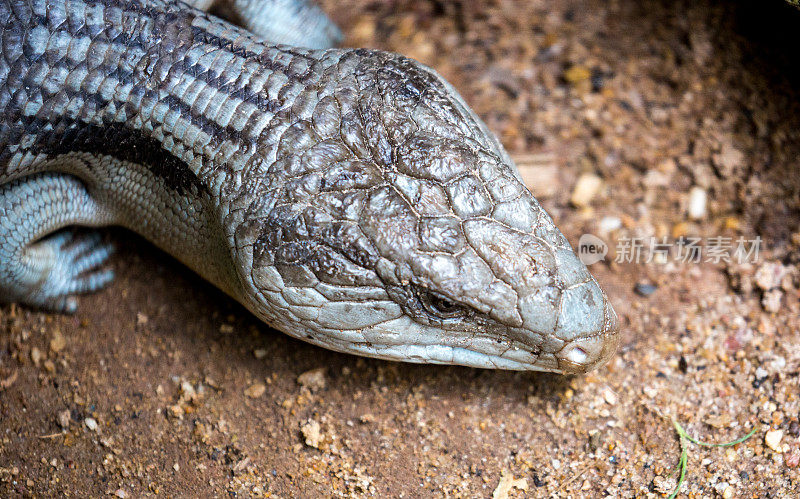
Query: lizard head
[[405, 233]]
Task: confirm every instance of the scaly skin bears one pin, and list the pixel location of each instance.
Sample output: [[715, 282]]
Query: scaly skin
[[349, 198]]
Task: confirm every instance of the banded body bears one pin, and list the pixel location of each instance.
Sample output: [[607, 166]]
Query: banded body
[[349, 198]]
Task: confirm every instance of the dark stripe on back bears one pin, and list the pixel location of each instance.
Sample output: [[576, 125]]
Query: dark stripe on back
[[118, 141], [72, 134]]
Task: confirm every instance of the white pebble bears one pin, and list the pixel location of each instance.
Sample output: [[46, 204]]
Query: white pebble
[[586, 188], [609, 396], [63, 419], [609, 224], [772, 300], [778, 363], [769, 275], [697, 203], [187, 390], [773, 440], [90, 423], [655, 178]]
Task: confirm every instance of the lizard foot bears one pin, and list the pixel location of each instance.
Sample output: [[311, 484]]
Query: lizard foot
[[40, 264], [70, 264]]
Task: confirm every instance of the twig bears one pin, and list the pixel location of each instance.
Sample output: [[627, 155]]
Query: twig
[[53, 435]]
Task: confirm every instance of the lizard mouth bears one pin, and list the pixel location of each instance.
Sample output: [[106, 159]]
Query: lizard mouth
[[517, 353]]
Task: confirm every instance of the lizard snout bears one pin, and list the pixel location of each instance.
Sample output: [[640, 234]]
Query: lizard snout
[[588, 352]]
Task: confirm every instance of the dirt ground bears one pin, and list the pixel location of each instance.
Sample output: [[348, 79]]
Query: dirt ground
[[161, 385]]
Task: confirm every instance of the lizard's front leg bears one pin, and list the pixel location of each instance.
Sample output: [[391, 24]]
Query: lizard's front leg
[[38, 267]]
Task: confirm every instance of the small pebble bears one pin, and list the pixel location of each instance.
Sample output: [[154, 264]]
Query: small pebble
[[729, 158], [586, 188], [259, 353], [241, 465], [63, 419], [727, 492], [314, 379], [576, 74], [609, 396], [8, 381], [777, 363], [36, 356], [769, 275], [312, 433], [176, 411], [90, 423], [255, 390], [645, 289], [718, 420], [187, 390], [773, 440], [609, 224], [664, 485], [772, 300], [57, 343], [655, 178], [508, 482], [697, 203], [595, 440]]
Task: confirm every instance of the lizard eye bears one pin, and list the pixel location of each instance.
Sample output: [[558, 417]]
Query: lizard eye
[[439, 307]]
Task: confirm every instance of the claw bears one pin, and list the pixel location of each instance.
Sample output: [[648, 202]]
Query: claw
[[92, 257], [91, 282], [80, 245]]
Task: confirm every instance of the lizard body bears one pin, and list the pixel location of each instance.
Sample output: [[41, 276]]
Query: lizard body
[[349, 198]]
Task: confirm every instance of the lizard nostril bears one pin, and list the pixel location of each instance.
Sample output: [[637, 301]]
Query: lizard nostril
[[577, 355], [584, 354]]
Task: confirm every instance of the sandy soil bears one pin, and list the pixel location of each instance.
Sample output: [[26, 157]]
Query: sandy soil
[[161, 385]]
